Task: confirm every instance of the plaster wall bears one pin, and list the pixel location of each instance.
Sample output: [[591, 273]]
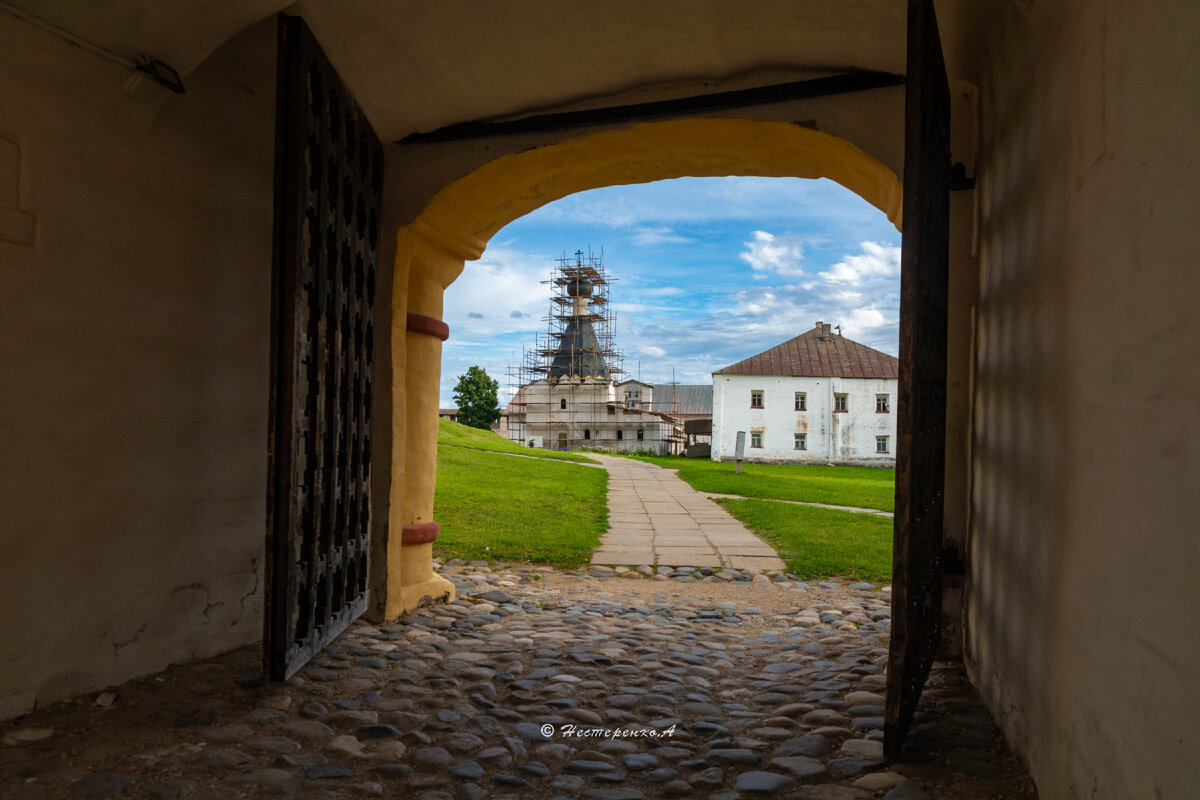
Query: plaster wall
[[588, 407], [873, 121], [1082, 609], [134, 345], [847, 437]]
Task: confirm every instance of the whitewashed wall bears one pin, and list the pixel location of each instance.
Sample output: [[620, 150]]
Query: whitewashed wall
[[831, 436], [1082, 609], [587, 409], [135, 339]]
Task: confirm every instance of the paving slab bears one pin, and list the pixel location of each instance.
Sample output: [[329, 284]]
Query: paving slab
[[657, 518]]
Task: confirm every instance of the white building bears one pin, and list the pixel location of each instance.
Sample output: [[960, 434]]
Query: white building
[[572, 413], [819, 397]]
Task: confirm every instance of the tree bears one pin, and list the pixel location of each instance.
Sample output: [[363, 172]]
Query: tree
[[475, 396]]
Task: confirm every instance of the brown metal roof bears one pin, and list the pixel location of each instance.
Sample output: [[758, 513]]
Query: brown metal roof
[[818, 354]]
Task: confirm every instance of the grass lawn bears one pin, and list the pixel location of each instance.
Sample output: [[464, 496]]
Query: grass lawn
[[496, 507], [458, 435], [858, 487], [821, 542]]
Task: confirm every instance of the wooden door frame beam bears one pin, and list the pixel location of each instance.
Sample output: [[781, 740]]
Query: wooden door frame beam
[[841, 83]]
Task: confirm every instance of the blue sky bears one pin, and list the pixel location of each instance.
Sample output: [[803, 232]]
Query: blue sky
[[704, 271]]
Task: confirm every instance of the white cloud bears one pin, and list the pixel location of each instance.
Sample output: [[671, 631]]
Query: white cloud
[[633, 310], [768, 253], [500, 293], [757, 317], [646, 236], [662, 291], [876, 261]]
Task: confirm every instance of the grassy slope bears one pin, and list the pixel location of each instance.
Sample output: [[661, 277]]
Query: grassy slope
[[453, 433], [493, 506], [858, 487], [821, 542]]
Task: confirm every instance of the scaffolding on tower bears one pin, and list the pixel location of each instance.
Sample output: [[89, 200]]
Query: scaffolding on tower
[[562, 390]]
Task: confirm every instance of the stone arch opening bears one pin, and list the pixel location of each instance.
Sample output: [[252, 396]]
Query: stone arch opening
[[458, 222]]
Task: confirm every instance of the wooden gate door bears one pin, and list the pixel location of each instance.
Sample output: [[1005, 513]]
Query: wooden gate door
[[921, 455], [328, 185]]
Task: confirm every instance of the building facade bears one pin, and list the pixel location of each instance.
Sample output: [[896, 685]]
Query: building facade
[[817, 398], [565, 415], [690, 404]]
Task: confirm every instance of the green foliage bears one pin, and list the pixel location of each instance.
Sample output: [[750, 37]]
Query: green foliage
[[497, 507], [455, 434], [821, 542], [856, 487], [475, 396]]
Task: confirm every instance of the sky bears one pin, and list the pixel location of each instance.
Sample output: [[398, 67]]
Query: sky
[[703, 272]]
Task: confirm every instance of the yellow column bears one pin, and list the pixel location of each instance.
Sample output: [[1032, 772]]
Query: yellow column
[[430, 269]]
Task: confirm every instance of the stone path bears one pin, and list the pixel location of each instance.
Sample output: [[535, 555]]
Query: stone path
[[656, 518], [853, 509], [538, 686]]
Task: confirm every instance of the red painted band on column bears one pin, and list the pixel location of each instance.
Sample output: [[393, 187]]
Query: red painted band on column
[[421, 533], [430, 326]]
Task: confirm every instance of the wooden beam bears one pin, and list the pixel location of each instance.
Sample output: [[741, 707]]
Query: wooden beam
[[843, 83], [921, 411]]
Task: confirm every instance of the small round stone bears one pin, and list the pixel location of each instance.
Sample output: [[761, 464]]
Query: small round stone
[[762, 783], [467, 770]]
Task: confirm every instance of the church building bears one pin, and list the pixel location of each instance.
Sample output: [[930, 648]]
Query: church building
[[571, 395]]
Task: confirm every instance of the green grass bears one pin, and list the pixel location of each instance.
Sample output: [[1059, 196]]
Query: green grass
[[458, 435], [499, 508], [821, 542], [495, 507], [857, 487]]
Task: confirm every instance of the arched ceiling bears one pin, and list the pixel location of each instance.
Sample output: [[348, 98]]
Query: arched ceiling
[[418, 65]]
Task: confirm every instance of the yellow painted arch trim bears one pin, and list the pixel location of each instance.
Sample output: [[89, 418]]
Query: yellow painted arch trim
[[464, 215]]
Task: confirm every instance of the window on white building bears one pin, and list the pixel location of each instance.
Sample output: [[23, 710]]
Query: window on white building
[[620, 435], [756, 398], [840, 402], [800, 441], [587, 434], [881, 404], [756, 438], [641, 434], [562, 403], [801, 401], [881, 444]]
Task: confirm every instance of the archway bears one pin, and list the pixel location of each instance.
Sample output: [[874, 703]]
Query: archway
[[456, 225]]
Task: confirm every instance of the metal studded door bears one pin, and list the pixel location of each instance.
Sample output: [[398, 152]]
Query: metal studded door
[[328, 184], [921, 425]]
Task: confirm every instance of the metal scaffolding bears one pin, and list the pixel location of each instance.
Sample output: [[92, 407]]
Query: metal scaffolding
[[564, 390]]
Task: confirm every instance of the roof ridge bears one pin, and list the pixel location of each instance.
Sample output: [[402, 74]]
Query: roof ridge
[[817, 353]]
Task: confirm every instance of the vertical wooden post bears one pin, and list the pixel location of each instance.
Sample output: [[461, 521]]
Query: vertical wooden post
[[921, 406]]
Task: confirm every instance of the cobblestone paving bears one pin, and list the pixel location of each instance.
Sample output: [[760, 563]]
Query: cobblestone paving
[[610, 686]]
